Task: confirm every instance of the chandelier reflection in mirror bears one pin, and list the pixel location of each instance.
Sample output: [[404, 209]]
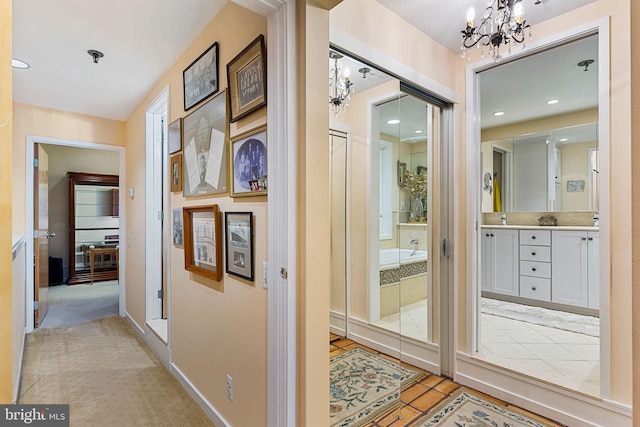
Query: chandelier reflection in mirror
[[340, 87], [503, 24]]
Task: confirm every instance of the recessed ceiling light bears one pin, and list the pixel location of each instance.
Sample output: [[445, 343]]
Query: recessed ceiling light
[[553, 101], [417, 131], [498, 113], [393, 122], [564, 139], [16, 63]]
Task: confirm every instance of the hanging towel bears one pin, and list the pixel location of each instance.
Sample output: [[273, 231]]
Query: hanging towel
[[497, 197]]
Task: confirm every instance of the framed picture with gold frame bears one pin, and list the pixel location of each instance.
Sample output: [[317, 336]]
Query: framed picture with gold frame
[[202, 241], [248, 154], [247, 79], [176, 172]]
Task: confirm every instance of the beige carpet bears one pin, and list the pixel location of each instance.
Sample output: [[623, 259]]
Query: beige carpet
[[80, 303], [107, 375]]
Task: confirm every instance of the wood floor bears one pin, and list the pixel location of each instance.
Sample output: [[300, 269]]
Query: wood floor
[[420, 397]]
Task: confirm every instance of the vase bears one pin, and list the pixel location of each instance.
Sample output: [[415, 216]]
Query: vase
[[417, 209]]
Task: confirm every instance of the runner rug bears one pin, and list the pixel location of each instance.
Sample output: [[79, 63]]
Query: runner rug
[[466, 409], [363, 386]]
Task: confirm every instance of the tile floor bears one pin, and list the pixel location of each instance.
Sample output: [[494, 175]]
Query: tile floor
[[568, 359], [419, 397]]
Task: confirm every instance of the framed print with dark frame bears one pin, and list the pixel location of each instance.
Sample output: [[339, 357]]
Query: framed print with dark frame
[[175, 136], [204, 157], [249, 163], [402, 168], [200, 78], [176, 173], [238, 228], [178, 231], [247, 79], [202, 239]]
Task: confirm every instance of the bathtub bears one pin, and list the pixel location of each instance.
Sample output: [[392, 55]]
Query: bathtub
[[393, 258]]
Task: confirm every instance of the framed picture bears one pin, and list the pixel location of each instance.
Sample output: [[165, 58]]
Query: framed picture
[[202, 252], [178, 234], [238, 228], [176, 173], [249, 163], [422, 170], [246, 77], [402, 168], [204, 156], [575, 186], [175, 136], [200, 78]]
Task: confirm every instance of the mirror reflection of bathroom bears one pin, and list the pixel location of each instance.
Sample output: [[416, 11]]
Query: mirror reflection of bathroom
[[539, 234], [391, 183]]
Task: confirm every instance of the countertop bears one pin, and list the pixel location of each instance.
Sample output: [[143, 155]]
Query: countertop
[[544, 227]]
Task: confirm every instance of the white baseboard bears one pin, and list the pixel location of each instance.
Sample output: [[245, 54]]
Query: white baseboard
[[158, 346], [423, 355], [337, 323], [206, 406], [567, 407], [16, 386], [137, 327]]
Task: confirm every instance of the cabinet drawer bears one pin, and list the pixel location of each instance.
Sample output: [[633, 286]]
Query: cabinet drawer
[[535, 288], [535, 269], [535, 237], [535, 253]]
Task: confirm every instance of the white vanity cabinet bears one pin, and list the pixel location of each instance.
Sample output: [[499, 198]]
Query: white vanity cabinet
[[575, 268], [535, 264], [500, 261]]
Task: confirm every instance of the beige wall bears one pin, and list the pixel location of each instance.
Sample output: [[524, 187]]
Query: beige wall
[[38, 121], [217, 328], [7, 340], [575, 167]]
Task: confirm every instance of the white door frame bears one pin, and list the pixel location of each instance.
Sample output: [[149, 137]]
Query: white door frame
[[29, 170], [155, 194]]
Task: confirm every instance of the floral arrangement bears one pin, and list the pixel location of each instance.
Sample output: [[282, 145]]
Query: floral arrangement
[[415, 184]]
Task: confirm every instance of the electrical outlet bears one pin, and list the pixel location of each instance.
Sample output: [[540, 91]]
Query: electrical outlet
[[229, 387]]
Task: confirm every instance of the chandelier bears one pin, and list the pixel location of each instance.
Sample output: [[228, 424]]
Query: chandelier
[[506, 27], [340, 87]]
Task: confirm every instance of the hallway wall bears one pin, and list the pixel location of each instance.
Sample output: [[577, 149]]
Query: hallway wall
[[216, 328]]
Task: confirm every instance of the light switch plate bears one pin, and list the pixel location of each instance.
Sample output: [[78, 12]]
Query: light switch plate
[[264, 274]]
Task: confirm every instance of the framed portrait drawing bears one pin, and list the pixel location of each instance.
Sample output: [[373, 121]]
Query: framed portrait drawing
[[176, 172], [175, 136], [200, 78], [246, 77], [178, 234], [249, 163], [204, 156], [238, 228], [202, 252]]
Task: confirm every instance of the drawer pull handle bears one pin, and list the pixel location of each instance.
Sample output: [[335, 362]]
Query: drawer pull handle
[[533, 288], [590, 238], [487, 234], [533, 253], [533, 269], [533, 237], [583, 238], [491, 234]]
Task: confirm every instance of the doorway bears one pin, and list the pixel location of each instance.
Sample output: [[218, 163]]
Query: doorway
[[61, 183]]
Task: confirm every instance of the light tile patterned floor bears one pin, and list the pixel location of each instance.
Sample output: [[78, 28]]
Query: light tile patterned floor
[[561, 357]]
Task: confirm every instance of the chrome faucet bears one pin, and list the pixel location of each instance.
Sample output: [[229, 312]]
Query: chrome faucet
[[414, 242], [596, 220], [503, 219]]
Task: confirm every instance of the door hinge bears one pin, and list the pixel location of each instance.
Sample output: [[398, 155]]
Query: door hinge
[[36, 305], [160, 293], [160, 216], [36, 234], [446, 247], [36, 163]]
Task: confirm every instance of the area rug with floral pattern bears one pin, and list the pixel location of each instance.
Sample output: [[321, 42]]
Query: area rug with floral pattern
[[466, 409], [364, 385]]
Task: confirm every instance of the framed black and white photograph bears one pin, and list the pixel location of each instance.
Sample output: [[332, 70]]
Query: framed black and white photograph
[[202, 240], [249, 163], [239, 248], [175, 172], [178, 234], [246, 77], [200, 78], [175, 136], [204, 156], [575, 186]]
